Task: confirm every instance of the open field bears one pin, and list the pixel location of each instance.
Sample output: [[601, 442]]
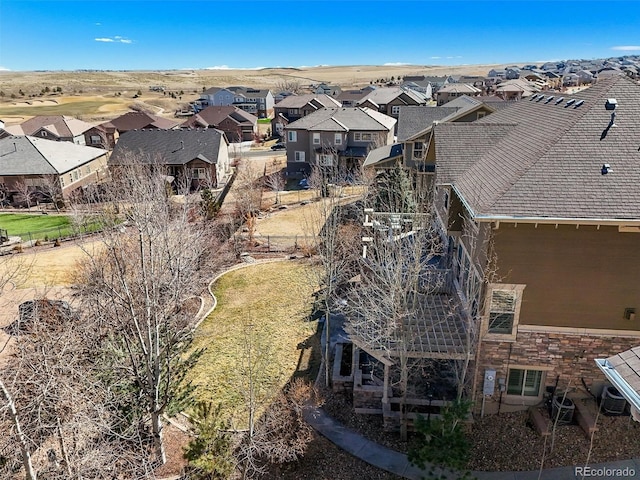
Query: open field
[[262, 311], [41, 227]]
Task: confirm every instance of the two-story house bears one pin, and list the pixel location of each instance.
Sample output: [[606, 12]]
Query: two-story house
[[388, 100], [335, 137], [294, 107], [541, 209], [237, 125], [195, 158], [258, 102]]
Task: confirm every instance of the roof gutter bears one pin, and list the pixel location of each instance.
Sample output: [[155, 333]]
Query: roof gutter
[[557, 220], [619, 383]]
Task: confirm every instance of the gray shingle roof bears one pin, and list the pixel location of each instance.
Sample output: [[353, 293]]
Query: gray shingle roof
[[344, 119], [413, 119], [549, 164], [300, 101], [169, 147], [23, 155], [139, 120], [382, 96]]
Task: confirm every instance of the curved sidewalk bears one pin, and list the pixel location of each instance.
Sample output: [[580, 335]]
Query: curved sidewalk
[[397, 463]]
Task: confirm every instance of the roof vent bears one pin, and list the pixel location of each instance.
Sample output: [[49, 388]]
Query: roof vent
[[540, 98], [578, 104], [570, 102], [560, 100], [533, 97], [611, 104], [606, 168], [549, 98]]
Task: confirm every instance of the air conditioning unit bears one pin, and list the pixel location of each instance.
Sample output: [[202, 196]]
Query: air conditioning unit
[[611, 402], [562, 410]]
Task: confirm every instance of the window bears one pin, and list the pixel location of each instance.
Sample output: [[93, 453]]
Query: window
[[76, 175], [395, 110], [292, 136], [43, 133], [95, 140], [325, 160], [338, 139], [198, 173], [299, 156], [525, 383], [502, 311], [481, 114], [418, 150], [293, 111], [362, 136], [316, 139], [88, 169]]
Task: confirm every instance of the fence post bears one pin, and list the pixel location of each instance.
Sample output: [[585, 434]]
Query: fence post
[[59, 233], [30, 239], [268, 243]]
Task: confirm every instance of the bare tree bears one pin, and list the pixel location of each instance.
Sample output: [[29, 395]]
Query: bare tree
[[25, 190], [248, 194], [336, 241], [276, 183], [288, 84], [139, 286], [51, 189]]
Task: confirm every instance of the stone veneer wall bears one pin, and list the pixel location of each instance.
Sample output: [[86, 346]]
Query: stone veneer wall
[[569, 356]]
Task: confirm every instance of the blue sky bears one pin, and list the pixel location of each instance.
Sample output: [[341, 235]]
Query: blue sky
[[167, 34]]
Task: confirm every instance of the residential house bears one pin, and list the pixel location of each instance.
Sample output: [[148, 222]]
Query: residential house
[[295, 107], [138, 121], [350, 98], [512, 73], [335, 137], [421, 84], [541, 210], [517, 89], [59, 128], [415, 128], [258, 102], [104, 136], [193, 157], [435, 82], [57, 168], [217, 96], [237, 125], [453, 90], [324, 89], [388, 100]]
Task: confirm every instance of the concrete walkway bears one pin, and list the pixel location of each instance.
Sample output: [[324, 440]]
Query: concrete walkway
[[397, 463]]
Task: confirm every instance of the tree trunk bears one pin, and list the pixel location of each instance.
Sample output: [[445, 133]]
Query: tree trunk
[[158, 440], [404, 381], [30, 473], [327, 348]]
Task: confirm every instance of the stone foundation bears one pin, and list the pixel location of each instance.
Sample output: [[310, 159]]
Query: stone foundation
[[566, 358]]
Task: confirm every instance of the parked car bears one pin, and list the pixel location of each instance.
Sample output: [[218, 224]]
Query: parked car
[[278, 146]]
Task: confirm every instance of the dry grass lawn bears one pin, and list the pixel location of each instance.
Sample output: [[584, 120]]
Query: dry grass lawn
[[263, 310]]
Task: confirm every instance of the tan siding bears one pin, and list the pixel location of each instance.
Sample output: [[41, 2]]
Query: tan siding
[[575, 277]]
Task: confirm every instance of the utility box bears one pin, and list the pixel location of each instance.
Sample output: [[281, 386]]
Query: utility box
[[489, 385]]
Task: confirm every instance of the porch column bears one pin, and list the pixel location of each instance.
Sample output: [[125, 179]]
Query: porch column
[[385, 393]]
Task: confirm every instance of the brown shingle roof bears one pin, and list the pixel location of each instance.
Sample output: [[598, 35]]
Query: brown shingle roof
[[60, 125], [212, 117], [140, 120], [549, 164]]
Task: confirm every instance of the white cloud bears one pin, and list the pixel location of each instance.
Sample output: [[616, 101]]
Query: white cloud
[[98, 24], [436, 58], [626, 48], [395, 64], [4, 69], [116, 39]]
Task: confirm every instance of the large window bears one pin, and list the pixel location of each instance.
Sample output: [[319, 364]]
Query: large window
[[325, 160], [502, 311], [299, 156], [96, 140], [362, 136], [525, 383], [292, 136], [198, 173]]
